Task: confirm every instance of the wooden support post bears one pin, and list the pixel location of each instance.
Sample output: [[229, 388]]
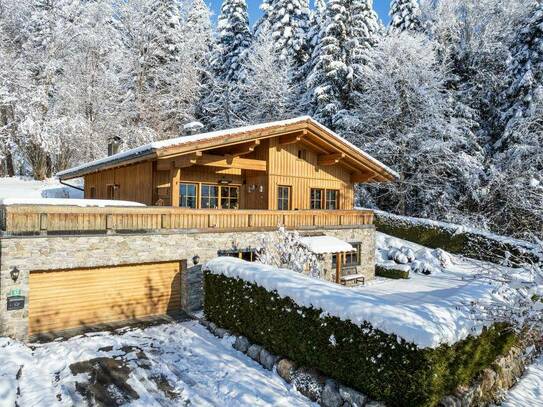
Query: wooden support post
[[175, 175], [338, 266]]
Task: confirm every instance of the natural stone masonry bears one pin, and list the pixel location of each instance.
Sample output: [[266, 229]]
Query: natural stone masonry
[[55, 252]]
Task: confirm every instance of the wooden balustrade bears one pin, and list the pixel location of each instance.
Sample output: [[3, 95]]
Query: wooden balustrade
[[36, 219]]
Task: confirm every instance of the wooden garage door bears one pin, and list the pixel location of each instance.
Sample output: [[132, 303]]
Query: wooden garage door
[[66, 299]]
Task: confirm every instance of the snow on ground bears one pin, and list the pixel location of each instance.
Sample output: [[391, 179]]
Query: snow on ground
[[170, 365], [427, 310], [19, 187], [529, 390]]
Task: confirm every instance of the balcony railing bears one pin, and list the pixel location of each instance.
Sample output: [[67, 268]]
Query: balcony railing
[[43, 219]]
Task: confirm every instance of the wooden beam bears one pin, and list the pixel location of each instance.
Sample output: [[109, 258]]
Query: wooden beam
[[244, 149], [361, 177], [291, 138], [221, 161], [175, 176], [330, 159]]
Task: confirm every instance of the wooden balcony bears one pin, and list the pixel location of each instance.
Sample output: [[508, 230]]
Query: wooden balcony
[[42, 219]]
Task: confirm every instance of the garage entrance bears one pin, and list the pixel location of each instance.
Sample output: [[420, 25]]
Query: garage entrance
[[75, 298]]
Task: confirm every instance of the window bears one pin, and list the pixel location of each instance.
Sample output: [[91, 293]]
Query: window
[[302, 154], [247, 254], [188, 195], [92, 193], [229, 197], [113, 191], [283, 198], [332, 199], [351, 259], [316, 198], [210, 197]]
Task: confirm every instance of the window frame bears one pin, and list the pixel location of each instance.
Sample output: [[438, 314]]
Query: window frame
[[196, 194], [358, 252], [280, 198], [221, 197], [328, 201], [320, 200]]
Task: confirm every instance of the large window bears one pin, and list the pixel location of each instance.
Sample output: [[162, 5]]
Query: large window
[[332, 199], [230, 197], [317, 196], [283, 198], [210, 196], [188, 195]]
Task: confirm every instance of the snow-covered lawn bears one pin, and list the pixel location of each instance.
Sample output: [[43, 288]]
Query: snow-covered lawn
[[167, 365], [529, 390], [18, 187]]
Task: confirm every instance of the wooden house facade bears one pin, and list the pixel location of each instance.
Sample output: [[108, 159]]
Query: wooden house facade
[[289, 165]]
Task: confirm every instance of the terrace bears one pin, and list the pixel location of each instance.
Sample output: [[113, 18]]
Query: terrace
[[28, 219]]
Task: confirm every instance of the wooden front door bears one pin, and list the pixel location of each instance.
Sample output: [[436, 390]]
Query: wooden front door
[[66, 299]]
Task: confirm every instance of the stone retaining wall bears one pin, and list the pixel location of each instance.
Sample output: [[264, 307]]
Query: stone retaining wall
[[80, 251]]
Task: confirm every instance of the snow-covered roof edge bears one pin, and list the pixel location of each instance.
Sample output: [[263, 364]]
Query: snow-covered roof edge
[[149, 149], [102, 203]]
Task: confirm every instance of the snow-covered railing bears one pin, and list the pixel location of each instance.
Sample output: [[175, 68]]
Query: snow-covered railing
[[36, 219]]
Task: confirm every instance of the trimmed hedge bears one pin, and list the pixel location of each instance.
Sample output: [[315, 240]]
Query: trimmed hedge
[[395, 274], [383, 366], [455, 239]]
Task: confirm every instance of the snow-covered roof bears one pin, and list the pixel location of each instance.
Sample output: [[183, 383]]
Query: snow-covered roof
[[149, 150], [326, 244], [67, 202]]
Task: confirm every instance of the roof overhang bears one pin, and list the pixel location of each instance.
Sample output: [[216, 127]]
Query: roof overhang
[[334, 149]]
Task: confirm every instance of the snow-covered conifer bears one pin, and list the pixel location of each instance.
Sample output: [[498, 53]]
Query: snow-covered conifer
[[348, 34], [405, 15], [288, 22], [525, 70], [234, 39]]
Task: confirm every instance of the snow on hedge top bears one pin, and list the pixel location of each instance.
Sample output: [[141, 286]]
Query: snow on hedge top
[[67, 202], [178, 141], [424, 310], [325, 244]]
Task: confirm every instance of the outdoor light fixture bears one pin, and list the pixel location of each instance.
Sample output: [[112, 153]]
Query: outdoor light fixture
[[252, 188], [196, 260], [14, 273], [225, 181], [261, 188]]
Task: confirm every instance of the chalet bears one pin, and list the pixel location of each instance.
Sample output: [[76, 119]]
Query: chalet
[[289, 165], [77, 265]]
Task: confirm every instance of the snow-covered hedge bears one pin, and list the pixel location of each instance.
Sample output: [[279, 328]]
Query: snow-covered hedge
[[383, 366], [458, 239]]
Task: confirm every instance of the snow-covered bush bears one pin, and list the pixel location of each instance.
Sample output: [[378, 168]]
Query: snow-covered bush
[[383, 366], [283, 249]]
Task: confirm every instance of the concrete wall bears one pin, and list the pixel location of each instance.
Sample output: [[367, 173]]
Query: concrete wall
[[65, 252]]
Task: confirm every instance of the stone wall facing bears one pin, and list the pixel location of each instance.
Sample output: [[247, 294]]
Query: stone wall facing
[[54, 252]]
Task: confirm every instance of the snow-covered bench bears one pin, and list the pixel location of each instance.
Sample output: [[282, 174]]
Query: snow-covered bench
[[356, 278]]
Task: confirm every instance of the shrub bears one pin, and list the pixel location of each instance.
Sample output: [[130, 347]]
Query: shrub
[[383, 366], [457, 239], [388, 272]]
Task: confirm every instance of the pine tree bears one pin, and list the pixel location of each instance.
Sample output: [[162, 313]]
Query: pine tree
[[288, 22], [526, 72], [234, 39], [350, 30], [405, 16]]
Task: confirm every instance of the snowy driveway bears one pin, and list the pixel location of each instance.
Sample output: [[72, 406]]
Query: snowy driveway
[[167, 365]]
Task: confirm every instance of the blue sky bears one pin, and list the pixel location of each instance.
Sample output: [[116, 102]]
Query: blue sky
[[381, 6]]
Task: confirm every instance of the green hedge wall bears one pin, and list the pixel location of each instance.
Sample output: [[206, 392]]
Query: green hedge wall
[[391, 273], [382, 366], [477, 245]]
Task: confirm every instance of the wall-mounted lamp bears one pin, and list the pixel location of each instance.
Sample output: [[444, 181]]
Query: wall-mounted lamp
[[225, 181], [261, 188], [252, 188], [14, 273], [196, 260]]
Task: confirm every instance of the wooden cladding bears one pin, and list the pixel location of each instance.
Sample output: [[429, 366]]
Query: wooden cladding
[[30, 219], [60, 300]]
